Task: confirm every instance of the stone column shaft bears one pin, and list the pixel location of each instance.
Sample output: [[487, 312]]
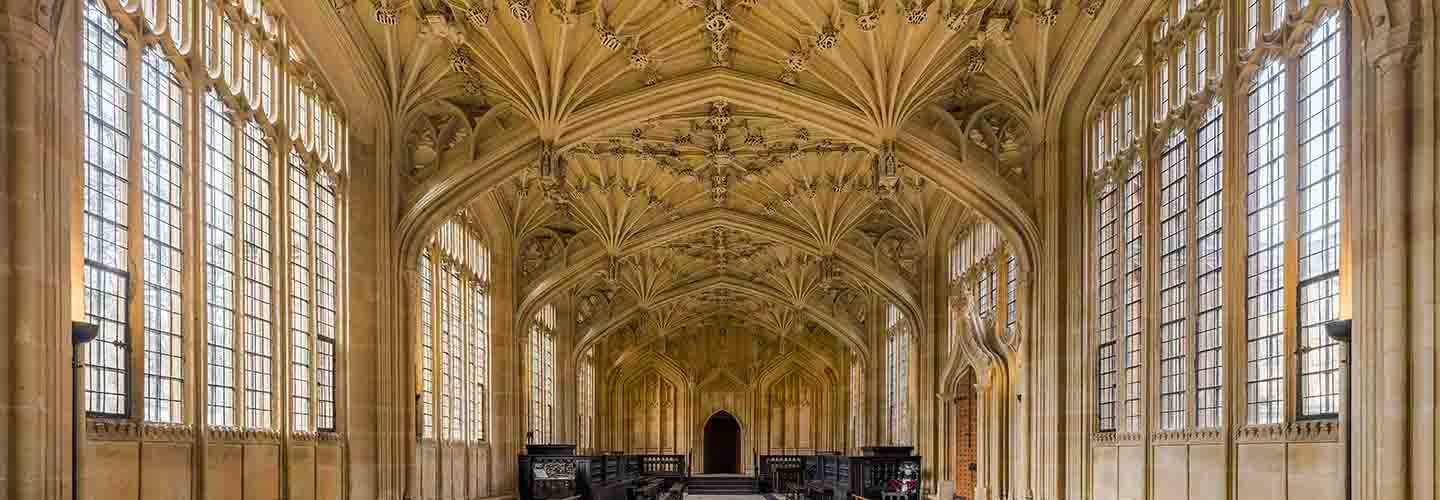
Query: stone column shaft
[[37, 460]]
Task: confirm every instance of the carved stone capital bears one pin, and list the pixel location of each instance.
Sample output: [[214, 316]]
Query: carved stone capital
[[22, 41], [1396, 48]]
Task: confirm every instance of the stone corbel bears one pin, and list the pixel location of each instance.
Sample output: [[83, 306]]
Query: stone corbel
[[1394, 48], [25, 43]]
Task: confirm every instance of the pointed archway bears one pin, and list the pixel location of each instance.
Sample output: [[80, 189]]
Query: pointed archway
[[722, 444]]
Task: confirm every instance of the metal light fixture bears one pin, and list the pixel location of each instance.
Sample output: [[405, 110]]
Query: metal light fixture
[[80, 333], [1338, 330]]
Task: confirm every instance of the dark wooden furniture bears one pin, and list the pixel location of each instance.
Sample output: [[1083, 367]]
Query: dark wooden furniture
[[555, 472]]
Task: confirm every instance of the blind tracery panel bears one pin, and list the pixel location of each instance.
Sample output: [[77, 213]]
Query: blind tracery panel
[[233, 201], [1288, 212]]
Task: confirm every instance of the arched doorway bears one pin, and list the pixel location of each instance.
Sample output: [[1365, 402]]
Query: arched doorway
[[722, 444]]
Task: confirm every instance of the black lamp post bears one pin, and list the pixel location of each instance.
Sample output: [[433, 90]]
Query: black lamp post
[[80, 333], [1339, 331]]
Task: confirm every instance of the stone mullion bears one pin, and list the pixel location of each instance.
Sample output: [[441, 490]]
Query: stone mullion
[[1292, 236], [196, 319], [135, 234], [1192, 261], [1234, 178], [312, 181]]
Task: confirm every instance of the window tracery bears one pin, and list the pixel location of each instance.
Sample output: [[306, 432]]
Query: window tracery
[[241, 297], [454, 333], [984, 269], [1288, 257]]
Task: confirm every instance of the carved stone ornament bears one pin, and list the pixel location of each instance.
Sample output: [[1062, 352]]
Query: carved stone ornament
[[608, 37], [868, 21], [797, 61], [1092, 7], [886, 169], [1048, 17], [976, 63], [460, 62], [387, 16], [720, 246], [962, 89], [828, 38], [523, 11], [957, 20], [473, 87], [479, 16], [717, 21], [917, 13], [639, 59], [439, 26], [104, 429]]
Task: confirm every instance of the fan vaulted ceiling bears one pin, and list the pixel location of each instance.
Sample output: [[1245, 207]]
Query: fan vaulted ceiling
[[764, 163]]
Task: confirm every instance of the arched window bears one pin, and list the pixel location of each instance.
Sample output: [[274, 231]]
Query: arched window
[[542, 375], [857, 401], [897, 374], [454, 340], [1289, 235], [984, 269], [241, 297]]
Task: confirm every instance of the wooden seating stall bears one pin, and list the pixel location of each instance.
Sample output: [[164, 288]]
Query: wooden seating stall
[[888, 473], [555, 472]]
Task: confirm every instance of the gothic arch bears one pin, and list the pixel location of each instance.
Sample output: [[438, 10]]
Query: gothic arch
[[983, 190], [844, 330], [893, 287]]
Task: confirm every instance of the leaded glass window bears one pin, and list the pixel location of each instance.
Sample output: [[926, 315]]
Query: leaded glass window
[[162, 174], [107, 203]]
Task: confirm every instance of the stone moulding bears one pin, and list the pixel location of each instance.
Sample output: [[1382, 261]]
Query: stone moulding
[[237, 435], [1306, 431], [317, 437], [1170, 437], [101, 429], [1188, 436], [1107, 438]]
